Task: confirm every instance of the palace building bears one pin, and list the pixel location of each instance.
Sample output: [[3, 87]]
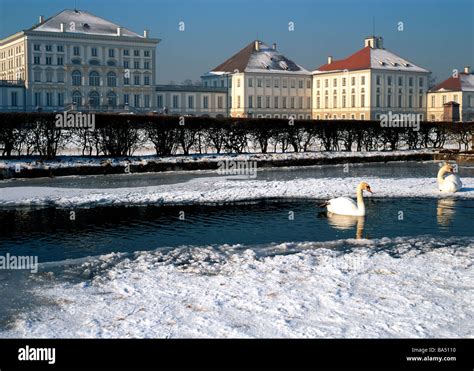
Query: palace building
[[368, 83], [455, 93], [263, 83], [76, 58]]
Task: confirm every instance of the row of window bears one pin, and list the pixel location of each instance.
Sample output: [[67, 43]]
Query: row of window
[[389, 80], [283, 116], [175, 102], [94, 51], [12, 63], [11, 52], [353, 81], [400, 99], [48, 60], [48, 48], [277, 116], [60, 62], [276, 83], [266, 102], [93, 99], [444, 100], [378, 80], [276, 102], [12, 75], [342, 103], [352, 116], [94, 79]]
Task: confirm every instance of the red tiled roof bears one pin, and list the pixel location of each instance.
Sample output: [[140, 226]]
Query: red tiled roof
[[453, 83], [358, 61]]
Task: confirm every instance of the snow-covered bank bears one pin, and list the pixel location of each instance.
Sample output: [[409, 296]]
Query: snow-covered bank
[[224, 190], [399, 287], [83, 165]]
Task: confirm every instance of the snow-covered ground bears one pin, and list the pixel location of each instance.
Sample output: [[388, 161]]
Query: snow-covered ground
[[81, 161], [403, 287], [223, 189]]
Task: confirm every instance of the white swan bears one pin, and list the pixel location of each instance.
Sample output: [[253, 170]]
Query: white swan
[[347, 206], [451, 183]]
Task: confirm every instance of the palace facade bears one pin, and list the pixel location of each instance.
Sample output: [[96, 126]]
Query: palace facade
[[77, 61], [456, 92], [76, 58], [368, 83]]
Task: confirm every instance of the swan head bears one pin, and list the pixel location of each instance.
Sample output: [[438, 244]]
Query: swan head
[[365, 187], [447, 168]]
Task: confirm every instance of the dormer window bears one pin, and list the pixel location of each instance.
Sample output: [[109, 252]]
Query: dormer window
[[381, 63], [406, 64], [283, 65]]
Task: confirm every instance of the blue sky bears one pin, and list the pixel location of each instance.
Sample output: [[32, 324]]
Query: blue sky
[[438, 35]]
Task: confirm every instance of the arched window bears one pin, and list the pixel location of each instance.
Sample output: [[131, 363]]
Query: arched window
[[76, 78], [111, 79], [94, 78], [111, 99], [94, 99], [77, 98]]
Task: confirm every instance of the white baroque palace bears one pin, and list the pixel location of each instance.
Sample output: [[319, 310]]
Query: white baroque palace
[[263, 83], [78, 61], [368, 83], [77, 58], [457, 90]]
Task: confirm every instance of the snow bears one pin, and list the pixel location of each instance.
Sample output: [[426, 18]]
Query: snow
[[467, 82], [402, 287], [79, 18], [81, 161], [226, 189], [383, 55]]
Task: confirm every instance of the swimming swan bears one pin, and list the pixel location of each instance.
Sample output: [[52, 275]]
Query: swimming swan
[[347, 206], [451, 183]]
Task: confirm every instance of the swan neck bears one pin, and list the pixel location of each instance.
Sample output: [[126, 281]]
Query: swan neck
[[360, 200], [441, 173]]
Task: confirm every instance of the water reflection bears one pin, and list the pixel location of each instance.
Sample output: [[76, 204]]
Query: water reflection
[[344, 222], [445, 211]]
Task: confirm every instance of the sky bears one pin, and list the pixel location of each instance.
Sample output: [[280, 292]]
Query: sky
[[435, 34]]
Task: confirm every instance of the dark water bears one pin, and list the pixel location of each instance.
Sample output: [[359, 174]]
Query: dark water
[[52, 236]]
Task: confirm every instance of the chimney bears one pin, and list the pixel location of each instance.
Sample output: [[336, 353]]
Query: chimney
[[375, 42], [145, 34], [330, 59], [63, 27], [274, 46], [467, 70], [379, 42], [119, 31], [41, 19], [257, 45]]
